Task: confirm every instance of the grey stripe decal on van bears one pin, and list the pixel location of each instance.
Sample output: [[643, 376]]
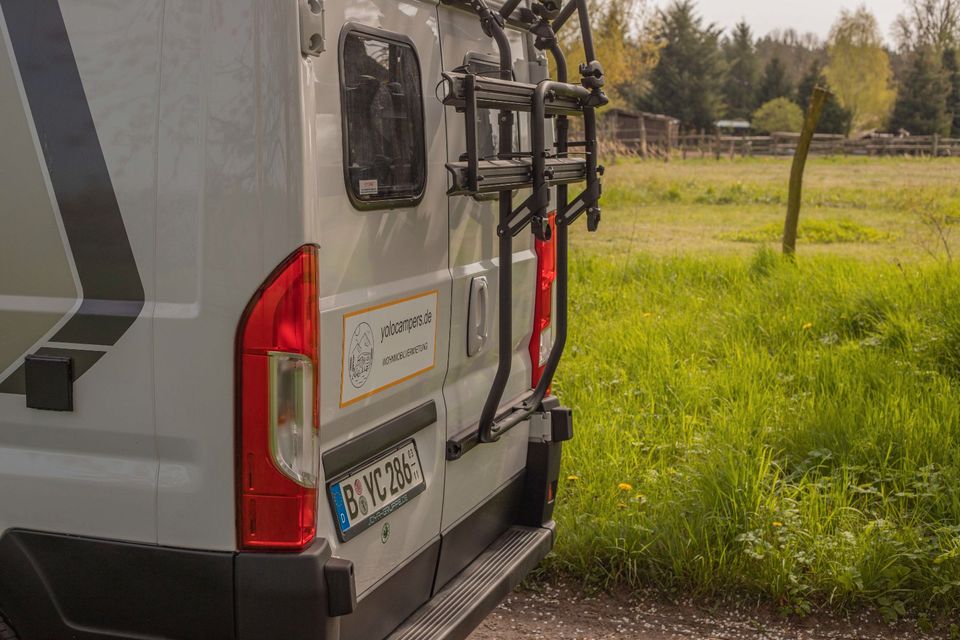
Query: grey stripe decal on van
[[113, 291], [112, 288]]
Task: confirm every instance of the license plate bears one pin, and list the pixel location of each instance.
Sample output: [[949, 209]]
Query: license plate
[[367, 495]]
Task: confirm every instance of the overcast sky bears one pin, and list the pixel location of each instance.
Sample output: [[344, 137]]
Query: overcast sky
[[809, 15]]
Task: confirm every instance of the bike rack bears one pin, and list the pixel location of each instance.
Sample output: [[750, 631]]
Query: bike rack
[[539, 170]]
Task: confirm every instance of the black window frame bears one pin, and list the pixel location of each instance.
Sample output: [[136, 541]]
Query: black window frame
[[387, 37]]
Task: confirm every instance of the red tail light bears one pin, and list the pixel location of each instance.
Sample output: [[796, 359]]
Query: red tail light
[[278, 409], [542, 341]]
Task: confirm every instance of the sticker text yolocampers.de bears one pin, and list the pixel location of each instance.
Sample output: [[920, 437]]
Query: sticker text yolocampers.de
[[386, 345]]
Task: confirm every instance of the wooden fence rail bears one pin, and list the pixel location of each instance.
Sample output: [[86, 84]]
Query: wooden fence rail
[[700, 145]]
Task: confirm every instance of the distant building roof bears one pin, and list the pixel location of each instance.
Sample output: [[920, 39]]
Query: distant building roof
[[733, 124]]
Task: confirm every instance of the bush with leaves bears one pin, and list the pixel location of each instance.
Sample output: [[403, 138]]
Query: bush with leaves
[[778, 115]]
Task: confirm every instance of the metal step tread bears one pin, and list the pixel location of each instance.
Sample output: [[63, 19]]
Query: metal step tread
[[501, 175], [460, 606]]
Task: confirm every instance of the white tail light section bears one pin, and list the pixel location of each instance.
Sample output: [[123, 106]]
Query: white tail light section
[[293, 439]]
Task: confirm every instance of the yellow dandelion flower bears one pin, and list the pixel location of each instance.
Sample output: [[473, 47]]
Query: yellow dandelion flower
[[623, 486], [573, 478], [808, 326], [648, 315], [777, 524]]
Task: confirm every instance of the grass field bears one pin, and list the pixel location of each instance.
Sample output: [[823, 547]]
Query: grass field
[[786, 432], [699, 206]]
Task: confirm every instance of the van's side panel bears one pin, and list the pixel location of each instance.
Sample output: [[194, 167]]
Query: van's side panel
[[86, 77], [231, 209]]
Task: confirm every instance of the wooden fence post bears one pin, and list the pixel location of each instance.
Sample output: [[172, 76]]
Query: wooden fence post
[[817, 101], [643, 137], [936, 145]]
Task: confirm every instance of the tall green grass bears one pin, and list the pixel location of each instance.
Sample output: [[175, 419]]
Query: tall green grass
[[784, 431]]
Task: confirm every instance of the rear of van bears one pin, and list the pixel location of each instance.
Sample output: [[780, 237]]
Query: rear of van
[[248, 330]]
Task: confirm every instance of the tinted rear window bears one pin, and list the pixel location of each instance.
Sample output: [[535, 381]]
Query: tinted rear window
[[383, 109]]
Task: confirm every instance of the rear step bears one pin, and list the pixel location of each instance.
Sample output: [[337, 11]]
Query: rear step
[[461, 606]]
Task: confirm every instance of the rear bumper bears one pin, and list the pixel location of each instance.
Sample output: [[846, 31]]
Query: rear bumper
[[54, 586]]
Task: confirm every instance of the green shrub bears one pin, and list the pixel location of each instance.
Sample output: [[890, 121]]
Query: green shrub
[[778, 115]]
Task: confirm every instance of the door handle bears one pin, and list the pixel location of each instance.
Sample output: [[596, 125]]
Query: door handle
[[477, 329]]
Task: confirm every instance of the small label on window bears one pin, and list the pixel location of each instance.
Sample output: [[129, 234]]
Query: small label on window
[[369, 187]]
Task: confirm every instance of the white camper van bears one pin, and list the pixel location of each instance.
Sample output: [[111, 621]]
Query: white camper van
[[283, 287]]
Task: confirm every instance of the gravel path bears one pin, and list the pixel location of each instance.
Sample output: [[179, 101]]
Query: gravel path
[[560, 613]]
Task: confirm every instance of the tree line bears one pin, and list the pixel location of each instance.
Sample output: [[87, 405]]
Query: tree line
[[673, 62]]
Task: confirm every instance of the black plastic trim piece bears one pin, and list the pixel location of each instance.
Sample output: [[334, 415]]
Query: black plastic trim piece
[[542, 483], [391, 203], [467, 539], [341, 586], [386, 607], [348, 455], [281, 595], [83, 360], [49, 382], [64, 587], [561, 424]]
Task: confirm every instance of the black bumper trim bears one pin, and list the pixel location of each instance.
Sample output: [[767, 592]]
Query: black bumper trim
[[341, 459], [55, 586], [284, 595]]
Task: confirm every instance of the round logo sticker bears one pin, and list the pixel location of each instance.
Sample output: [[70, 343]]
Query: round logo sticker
[[385, 533], [361, 355], [363, 505]]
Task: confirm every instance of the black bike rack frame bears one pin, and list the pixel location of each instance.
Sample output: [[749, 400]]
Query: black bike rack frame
[[539, 170]]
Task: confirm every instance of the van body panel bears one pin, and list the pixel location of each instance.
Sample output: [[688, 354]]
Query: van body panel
[[474, 253], [231, 209], [373, 258], [161, 159], [92, 471]]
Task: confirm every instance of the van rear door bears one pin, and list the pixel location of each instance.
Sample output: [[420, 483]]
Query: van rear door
[[474, 264], [377, 147]]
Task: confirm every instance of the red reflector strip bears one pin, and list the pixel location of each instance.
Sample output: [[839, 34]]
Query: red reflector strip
[[543, 304]]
